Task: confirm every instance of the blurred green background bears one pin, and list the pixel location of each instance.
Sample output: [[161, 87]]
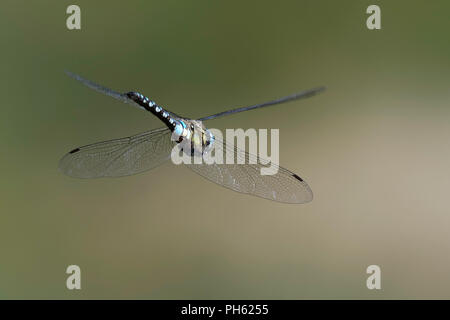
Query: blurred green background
[[374, 149]]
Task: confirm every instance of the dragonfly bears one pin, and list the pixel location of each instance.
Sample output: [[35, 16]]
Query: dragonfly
[[141, 152]]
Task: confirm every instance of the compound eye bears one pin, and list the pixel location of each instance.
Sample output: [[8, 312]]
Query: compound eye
[[178, 129], [209, 138]]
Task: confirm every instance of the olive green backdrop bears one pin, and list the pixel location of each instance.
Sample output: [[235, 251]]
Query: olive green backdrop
[[374, 149]]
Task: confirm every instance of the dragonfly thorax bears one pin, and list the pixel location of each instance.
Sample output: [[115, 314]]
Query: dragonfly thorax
[[193, 136]]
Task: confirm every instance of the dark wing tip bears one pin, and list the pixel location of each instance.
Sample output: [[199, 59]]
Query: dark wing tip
[[74, 150], [297, 177]]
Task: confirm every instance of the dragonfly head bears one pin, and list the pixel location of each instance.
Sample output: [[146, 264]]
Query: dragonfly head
[[208, 138]]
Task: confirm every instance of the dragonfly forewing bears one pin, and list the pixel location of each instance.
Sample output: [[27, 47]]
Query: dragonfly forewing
[[119, 157]]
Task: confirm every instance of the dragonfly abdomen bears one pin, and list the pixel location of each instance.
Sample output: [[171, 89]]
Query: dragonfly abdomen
[[152, 107]]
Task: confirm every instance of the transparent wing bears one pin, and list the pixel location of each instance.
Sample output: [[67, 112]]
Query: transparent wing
[[99, 88], [109, 92], [284, 186], [299, 95], [119, 157]]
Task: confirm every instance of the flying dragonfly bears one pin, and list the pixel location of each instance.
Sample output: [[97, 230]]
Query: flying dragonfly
[[145, 151]]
